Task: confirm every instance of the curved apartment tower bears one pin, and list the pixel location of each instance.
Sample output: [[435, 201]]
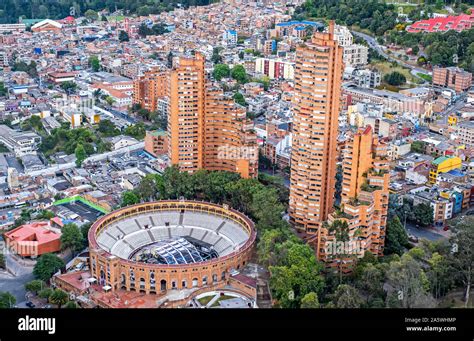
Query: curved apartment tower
[[206, 128], [316, 105]]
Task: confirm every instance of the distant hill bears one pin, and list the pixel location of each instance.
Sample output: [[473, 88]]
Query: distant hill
[[11, 10]]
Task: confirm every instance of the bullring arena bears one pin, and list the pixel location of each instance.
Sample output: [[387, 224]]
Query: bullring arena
[[161, 246]]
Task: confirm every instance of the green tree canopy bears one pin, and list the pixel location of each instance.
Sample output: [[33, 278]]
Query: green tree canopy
[[397, 238], [71, 238], [239, 74], [7, 300], [46, 266], [221, 71], [59, 297]]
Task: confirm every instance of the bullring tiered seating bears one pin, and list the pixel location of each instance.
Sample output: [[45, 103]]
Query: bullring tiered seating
[[224, 234]]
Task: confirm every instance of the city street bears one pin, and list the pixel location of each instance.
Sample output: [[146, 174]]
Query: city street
[[423, 233], [14, 282], [374, 45]]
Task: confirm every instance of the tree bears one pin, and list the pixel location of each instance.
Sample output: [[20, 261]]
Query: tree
[[439, 275], [71, 238], [35, 286], [269, 245], [239, 74], [137, 131], [45, 214], [216, 58], [129, 198], [239, 99], [45, 293], [397, 238], [81, 155], [417, 147], [395, 78], [298, 275], [347, 296], [71, 305], [410, 284], [3, 89], [462, 254], [423, 214], [59, 297], [94, 64], [91, 15], [69, 87], [85, 231], [310, 300], [110, 100], [148, 189], [369, 278], [46, 266], [7, 300], [340, 230], [123, 36], [107, 128], [221, 71]]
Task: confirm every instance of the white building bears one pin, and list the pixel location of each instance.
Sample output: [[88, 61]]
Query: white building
[[354, 54], [20, 143], [275, 68], [229, 38]]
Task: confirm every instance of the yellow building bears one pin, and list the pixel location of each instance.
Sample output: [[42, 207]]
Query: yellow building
[[443, 164], [452, 120]]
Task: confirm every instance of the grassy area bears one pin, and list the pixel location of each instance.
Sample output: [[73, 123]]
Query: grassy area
[[426, 77], [406, 8], [113, 18], [205, 300], [387, 67], [221, 298]]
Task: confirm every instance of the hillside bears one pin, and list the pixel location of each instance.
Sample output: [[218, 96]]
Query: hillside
[[11, 10]]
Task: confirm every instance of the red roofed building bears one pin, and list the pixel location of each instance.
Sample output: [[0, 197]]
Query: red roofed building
[[442, 24], [32, 240]]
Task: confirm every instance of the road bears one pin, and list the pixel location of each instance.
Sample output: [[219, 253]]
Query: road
[[423, 233], [374, 45], [14, 282]]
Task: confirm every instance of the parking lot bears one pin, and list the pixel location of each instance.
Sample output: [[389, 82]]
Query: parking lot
[[82, 210]]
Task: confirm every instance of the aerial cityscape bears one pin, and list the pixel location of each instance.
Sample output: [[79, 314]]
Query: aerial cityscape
[[237, 154]]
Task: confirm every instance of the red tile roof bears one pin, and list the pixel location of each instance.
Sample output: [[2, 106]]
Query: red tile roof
[[32, 232], [459, 23]]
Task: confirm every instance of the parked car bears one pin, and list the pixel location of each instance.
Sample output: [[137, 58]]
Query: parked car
[[30, 304], [413, 238]]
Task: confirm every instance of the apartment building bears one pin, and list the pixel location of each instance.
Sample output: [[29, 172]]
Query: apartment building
[[465, 132], [20, 143], [275, 68], [354, 54], [453, 78], [316, 105], [206, 128], [156, 142], [150, 88], [364, 203]]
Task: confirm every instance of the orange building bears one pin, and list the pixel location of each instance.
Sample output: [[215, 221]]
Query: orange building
[[452, 77], [149, 88], [206, 128], [364, 203], [32, 240], [230, 142], [156, 142], [316, 105]]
